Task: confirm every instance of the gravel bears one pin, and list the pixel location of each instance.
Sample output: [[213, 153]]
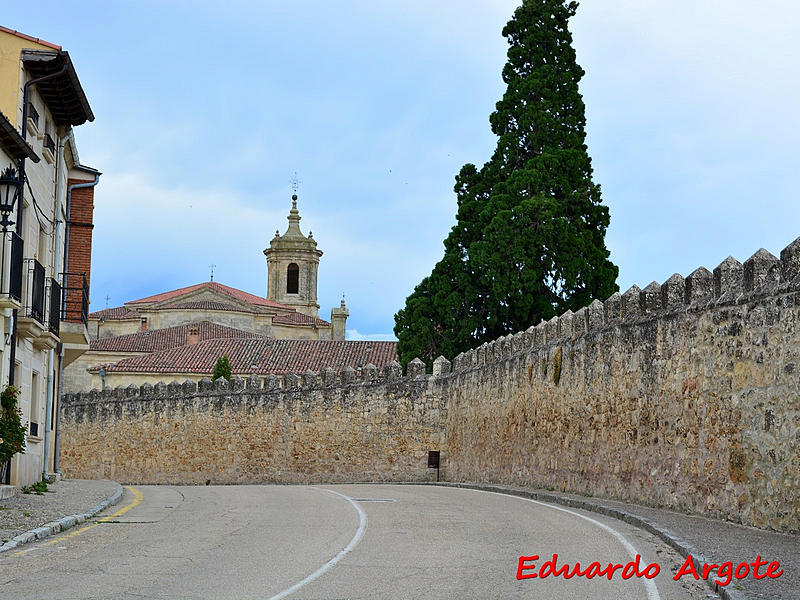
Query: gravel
[[25, 512]]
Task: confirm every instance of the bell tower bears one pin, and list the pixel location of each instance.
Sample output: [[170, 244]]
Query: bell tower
[[292, 263]]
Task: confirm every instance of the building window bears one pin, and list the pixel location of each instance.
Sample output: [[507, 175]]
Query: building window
[[292, 279], [34, 416]]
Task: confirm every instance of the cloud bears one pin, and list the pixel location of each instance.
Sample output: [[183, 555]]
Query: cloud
[[353, 334]]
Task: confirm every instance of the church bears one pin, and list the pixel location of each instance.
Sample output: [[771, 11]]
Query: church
[[180, 334]]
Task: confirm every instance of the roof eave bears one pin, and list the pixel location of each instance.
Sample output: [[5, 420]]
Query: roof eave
[[13, 143], [63, 92]]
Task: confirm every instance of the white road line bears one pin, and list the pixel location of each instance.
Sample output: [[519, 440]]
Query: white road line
[[649, 584], [362, 526]]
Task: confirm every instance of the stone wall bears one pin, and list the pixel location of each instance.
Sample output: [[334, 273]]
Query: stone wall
[[250, 431], [682, 395]]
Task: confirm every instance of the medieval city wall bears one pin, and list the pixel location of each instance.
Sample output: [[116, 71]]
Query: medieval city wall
[[682, 395]]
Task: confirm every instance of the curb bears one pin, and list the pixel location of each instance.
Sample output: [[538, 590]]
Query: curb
[[670, 538], [62, 524]]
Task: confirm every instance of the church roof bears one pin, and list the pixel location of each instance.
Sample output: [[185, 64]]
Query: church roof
[[205, 305], [261, 356], [154, 340], [211, 285], [115, 314], [299, 319]]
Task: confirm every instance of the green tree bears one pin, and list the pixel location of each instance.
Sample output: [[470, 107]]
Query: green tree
[[529, 239], [222, 368], [12, 431]]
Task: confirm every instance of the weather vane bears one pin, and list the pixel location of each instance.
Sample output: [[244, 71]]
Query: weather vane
[[211, 266], [107, 299], [295, 183]]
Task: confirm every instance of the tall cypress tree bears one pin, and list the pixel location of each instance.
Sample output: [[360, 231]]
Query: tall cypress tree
[[529, 241]]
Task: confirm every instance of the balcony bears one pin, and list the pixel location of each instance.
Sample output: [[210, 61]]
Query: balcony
[[50, 337], [30, 323], [33, 119], [11, 273], [49, 148], [74, 315]]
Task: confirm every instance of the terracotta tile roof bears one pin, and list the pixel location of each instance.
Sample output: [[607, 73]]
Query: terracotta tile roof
[[212, 285], [269, 356], [297, 318], [30, 38], [115, 314], [204, 305], [161, 339]]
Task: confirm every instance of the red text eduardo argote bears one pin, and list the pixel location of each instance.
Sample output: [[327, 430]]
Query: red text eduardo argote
[[528, 568]]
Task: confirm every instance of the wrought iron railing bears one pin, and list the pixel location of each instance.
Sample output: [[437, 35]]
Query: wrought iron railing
[[49, 143], [75, 298], [33, 114], [34, 306], [11, 277], [54, 308]]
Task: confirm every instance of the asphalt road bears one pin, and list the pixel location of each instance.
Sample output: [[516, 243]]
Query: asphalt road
[[336, 542]]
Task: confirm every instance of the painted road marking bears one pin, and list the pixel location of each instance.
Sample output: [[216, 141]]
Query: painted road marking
[[652, 590], [362, 526], [137, 498]]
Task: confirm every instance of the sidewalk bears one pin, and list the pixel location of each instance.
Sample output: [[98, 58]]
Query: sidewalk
[[711, 540], [26, 512]]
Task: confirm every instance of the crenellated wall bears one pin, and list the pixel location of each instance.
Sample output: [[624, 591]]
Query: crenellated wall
[[683, 395]]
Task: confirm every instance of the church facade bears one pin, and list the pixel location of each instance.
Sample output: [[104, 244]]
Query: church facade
[[162, 324]]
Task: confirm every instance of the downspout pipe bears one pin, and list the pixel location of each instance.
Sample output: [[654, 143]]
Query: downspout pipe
[[25, 101], [74, 186]]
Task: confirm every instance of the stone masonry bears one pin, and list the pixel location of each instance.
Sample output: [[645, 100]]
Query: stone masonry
[[682, 395]]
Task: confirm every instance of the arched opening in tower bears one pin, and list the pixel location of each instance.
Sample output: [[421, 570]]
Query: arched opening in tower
[[292, 279]]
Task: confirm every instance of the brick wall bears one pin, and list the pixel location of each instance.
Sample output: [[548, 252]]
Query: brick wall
[[80, 246]]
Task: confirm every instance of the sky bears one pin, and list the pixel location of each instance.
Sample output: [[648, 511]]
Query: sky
[[206, 110]]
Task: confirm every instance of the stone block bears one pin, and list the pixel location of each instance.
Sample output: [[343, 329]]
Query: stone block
[[237, 383], [291, 381], [328, 376], [254, 382], [728, 278], [613, 307], [220, 384], [416, 368], [369, 374], [347, 375], [441, 366], [173, 389], [272, 382], [630, 306], [790, 261], [699, 286], [761, 270], [551, 328], [160, 390], [481, 355], [204, 385], [132, 390], [673, 292], [595, 315], [393, 371], [565, 324], [650, 298], [531, 337], [309, 379], [579, 321]]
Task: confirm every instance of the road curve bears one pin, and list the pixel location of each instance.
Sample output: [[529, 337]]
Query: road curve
[[344, 541]]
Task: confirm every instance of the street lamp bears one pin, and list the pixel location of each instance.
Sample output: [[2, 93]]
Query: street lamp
[[10, 188]]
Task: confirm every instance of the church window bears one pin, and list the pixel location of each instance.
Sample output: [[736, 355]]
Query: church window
[[292, 279]]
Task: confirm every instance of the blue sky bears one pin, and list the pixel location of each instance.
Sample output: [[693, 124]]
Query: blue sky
[[205, 110]]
